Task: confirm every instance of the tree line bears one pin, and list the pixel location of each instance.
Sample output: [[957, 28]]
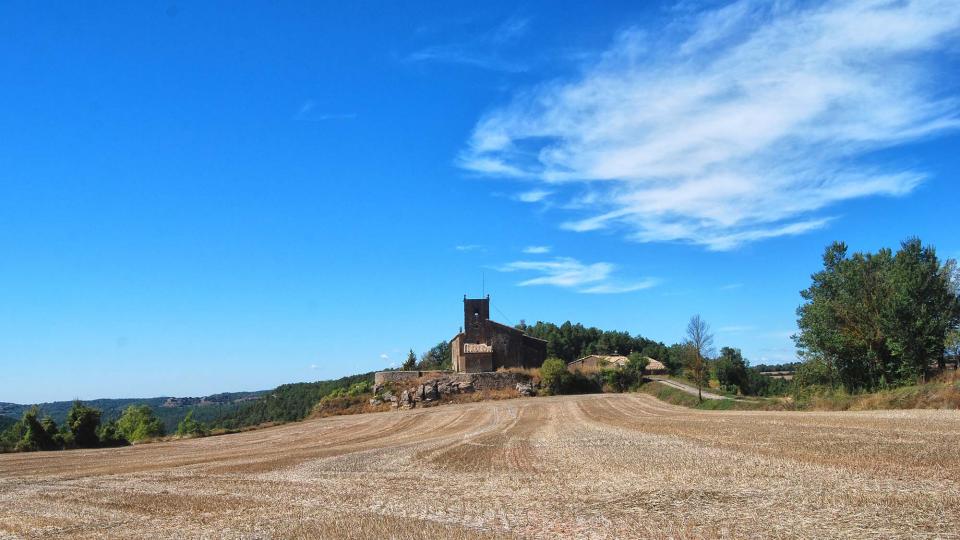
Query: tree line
[[287, 402], [81, 429]]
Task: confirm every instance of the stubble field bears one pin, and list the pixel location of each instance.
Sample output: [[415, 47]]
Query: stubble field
[[597, 466]]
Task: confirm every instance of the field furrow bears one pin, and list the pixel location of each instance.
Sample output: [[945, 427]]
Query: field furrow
[[595, 466]]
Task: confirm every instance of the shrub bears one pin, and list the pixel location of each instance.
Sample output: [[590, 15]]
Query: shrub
[[31, 433], [82, 423], [109, 435], [554, 375], [555, 379], [813, 372], [360, 388], [138, 423], [188, 427], [616, 380]]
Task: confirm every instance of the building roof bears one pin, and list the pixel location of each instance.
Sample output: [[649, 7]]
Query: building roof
[[653, 363], [620, 360], [513, 329]]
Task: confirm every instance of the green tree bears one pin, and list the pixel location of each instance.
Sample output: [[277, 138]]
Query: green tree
[[952, 346], [554, 376], [411, 362], [815, 371], [188, 427], [109, 434], [732, 372], [635, 367], [879, 319], [676, 358], [31, 433], [138, 423], [83, 422], [440, 356]]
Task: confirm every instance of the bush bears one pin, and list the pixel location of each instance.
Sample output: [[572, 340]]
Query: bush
[[31, 433], [555, 379], [138, 423], [82, 423], [188, 427], [109, 435], [617, 380], [813, 372], [554, 375], [629, 377], [360, 388], [731, 370]]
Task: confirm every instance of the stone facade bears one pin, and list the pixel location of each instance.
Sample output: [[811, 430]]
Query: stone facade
[[485, 345]]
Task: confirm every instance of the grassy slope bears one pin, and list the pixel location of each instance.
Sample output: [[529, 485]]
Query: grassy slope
[[679, 397], [940, 393]]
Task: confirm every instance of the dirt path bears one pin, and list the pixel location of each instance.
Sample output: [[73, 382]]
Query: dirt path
[[692, 390], [597, 466]]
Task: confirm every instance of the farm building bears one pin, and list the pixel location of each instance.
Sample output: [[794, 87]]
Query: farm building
[[596, 362], [485, 345]]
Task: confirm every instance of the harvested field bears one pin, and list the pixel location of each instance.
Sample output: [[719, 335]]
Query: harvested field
[[597, 466]]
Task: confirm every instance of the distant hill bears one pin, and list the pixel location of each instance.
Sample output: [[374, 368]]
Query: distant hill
[[169, 409], [287, 402], [284, 403]]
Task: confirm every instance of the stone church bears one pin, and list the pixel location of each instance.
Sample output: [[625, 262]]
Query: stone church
[[485, 345]]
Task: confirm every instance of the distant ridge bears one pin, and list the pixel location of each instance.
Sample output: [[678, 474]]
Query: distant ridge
[[170, 409]]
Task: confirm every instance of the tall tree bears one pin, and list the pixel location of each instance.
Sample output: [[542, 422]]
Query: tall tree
[[83, 421], [411, 362], [138, 423], [440, 356], [700, 347], [877, 319], [732, 370]]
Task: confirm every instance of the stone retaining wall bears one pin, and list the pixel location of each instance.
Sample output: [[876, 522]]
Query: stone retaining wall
[[381, 377], [406, 391]]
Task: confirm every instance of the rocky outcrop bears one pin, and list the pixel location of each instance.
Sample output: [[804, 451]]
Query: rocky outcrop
[[438, 387], [526, 389]]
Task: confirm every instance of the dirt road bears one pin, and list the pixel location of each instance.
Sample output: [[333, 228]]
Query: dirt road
[[690, 389], [598, 466]]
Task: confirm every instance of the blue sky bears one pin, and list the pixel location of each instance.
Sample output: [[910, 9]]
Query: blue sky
[[202, 198]]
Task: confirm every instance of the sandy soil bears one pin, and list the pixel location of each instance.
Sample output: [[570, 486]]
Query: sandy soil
[[599, 466]]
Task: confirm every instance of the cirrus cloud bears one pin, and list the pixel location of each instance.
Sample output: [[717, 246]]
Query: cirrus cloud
[[734, 125], [570, 273]]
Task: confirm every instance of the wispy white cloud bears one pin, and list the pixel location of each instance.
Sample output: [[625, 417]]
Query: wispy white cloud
[[610, 288], [384, 356], [536, 250], [484, 50], [737, 124], [308, 113], [570, 273], [532, 196], [469, 247], [314, 366]]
